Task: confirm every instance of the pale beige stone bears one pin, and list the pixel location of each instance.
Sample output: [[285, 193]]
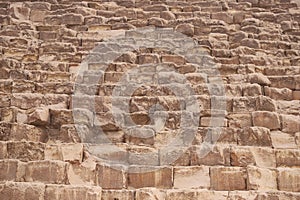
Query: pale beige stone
[[191, 177], [261, 179], [282, 140], [289, 179], [266, 119]]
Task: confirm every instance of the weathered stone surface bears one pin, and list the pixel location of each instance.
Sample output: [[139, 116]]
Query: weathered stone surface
[[266, 119], [255, 136], [264, 157], [65, 152], [282, 140], [228, 178], [288, 179], [72, 192], [261, 179], [11, 190], [290, 123], [25, 151], [39, 117], [150, 193], [218, 155], [241, 157], [191, 177], [118, 194], [27, 132], [8, 170], [288, 158], [259, 79], [196, 194], [43, 171], [159, 177], [111, 177], [3, 150]]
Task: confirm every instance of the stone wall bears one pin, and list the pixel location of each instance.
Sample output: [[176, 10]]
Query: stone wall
[[56, 98]]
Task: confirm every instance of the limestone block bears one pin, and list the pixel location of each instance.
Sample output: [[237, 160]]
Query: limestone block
[[279, 93], [228, 178], [111, 177], [290, 123], [242, 195], [120, 194], [282, 140], [196, 194], [266, 119], [150, 194], [158, 7], [22, 191], [3, 150], [218, 155], [244, 104], [27, 132], [252, 90], [186, 29], [264, 157], [5, 131], [266, 104], [25, 151], [148, 58], [255, 136], [83, 173], [44, 171], [239, 120], [289, 179], [224, 16], [241, 156], [159, 177], [261, 179], [8, 170], [259, 79], [40, 116], [191, 177], [288, 158], [56, 192]]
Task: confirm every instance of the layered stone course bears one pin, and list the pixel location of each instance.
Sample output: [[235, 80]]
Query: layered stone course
[[252, 46]]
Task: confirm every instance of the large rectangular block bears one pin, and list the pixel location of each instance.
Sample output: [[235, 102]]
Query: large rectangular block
[[28, 133], [261, 179], [25, 151], [3, 150], [288, 158], [118, 194], [44, 171], [22, 191], [196, 194], [241, 156], [266, 119], [283, 140], [290, 123], [191, 177], [228, 178], [8, 170], [57, 192], [111, 177], [255, 136], [289, 179], [218, 155], [264, 157], [159, 177]]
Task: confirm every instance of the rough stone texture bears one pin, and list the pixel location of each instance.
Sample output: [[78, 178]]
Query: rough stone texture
[[191, 178], [228, 178], [247, 130], [261, 179], [288, 179]]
